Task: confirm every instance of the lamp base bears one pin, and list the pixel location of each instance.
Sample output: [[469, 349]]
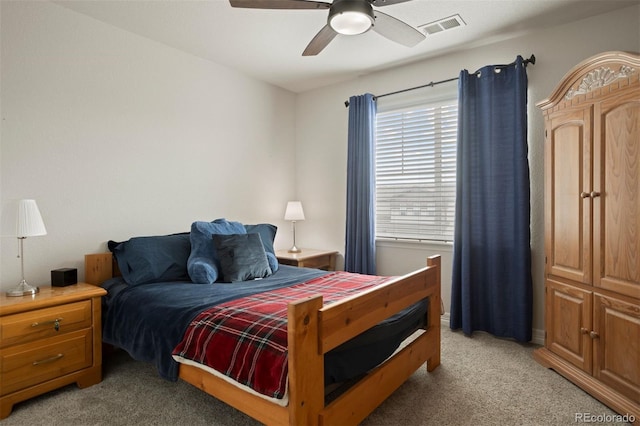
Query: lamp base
[[23, 289], [294, 249]]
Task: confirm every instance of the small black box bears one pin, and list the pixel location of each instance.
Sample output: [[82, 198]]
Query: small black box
[[64, 276]]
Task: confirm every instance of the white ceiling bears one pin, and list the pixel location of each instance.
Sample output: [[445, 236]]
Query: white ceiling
[[267, 44]]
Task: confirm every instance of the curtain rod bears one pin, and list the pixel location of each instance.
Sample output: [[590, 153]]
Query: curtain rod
[[531, 60]]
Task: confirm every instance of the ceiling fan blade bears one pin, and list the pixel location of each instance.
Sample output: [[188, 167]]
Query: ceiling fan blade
[[380, 3], [280, 4], [320, 41], [396, 30]]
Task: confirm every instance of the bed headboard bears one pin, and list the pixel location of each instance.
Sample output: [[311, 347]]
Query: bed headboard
[[99, 267]]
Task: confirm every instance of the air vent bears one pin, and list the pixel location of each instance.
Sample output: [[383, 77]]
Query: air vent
[[442, 25]]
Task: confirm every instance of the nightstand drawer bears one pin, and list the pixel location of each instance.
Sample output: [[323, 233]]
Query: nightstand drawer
[[32, 363], [33, 325], [319, 262]]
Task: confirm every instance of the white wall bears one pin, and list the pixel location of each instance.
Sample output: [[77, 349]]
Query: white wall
[[321, 132], [115, 135]]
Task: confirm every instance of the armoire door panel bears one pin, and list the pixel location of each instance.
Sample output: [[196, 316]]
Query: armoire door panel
[[617, 348], [569, 323], [617, 208], [569, 215]]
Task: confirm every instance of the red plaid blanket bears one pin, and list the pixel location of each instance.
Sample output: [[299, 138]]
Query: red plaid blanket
[[246, 339]]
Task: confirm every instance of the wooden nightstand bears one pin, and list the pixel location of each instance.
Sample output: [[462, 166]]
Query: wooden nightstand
[[49, 340], [309, 258]]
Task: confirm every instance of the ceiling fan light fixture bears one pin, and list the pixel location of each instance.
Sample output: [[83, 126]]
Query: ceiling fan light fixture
[[351, 17]]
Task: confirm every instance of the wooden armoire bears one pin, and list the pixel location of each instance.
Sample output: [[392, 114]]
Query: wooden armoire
[[592, 229]]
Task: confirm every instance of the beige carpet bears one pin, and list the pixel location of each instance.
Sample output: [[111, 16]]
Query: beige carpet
[[482, 381]]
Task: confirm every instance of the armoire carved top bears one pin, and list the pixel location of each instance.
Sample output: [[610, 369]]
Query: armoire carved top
[[597, 78], [589, 76]]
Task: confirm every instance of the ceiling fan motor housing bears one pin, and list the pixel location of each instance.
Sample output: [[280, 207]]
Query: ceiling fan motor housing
[[351, 17]]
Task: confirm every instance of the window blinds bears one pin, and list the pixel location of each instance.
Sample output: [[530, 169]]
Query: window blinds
[[416, 172]]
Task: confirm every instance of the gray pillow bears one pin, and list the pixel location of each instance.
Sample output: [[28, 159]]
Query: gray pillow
[[267, 233], [242, 257]]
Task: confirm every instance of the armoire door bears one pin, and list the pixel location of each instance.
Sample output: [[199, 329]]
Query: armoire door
[[616, 350], [616, 194], [567, 190], [568, 317]]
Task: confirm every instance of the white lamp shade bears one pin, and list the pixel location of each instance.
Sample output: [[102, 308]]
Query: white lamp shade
[[294, 211], [29, 222]]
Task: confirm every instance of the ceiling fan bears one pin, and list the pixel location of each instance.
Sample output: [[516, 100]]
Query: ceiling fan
[[349, 17]]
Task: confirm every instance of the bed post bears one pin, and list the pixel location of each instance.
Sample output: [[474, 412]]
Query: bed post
[[306, 362], [98, 268], [436, 308]]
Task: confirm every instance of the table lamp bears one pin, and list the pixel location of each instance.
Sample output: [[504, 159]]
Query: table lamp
[[294, 213], [29, 224]]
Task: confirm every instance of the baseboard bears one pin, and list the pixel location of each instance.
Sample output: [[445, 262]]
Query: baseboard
[[444, 319], [536, 338]]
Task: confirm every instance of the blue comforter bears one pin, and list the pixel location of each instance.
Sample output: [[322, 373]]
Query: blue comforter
[[149, 320]]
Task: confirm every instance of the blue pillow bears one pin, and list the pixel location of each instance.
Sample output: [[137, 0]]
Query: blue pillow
[[242, 257], [267, 235], [203, 264], [144, 260]]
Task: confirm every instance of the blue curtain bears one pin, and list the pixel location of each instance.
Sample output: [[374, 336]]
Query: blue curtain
[[360, 245], [491, 282]]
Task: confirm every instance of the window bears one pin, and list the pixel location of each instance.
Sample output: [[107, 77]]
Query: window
[[416, 172]]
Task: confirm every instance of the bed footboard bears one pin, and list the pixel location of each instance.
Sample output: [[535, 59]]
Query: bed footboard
[[332, 325]]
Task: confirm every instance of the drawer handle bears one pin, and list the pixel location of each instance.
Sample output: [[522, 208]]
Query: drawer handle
[[55, 322], [44, 361]]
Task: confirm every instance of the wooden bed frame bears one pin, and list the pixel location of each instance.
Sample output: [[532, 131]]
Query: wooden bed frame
[[313, 331]]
